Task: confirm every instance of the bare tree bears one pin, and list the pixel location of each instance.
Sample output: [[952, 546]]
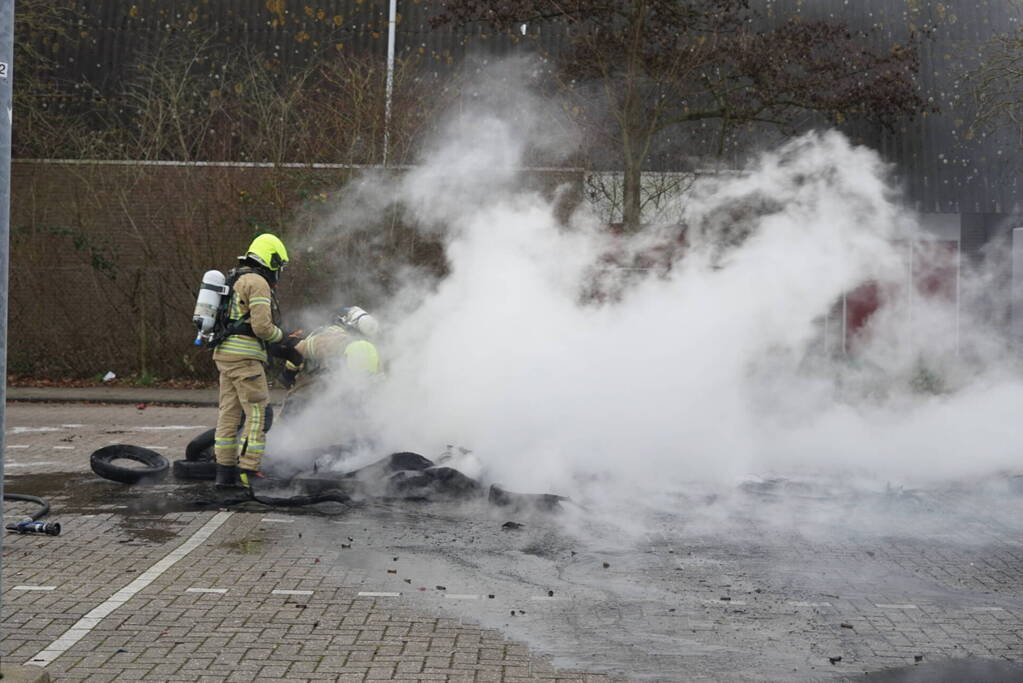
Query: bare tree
[[998, 86], [661, 65]]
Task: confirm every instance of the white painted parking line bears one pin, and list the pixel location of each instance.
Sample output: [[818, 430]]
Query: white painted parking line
[[374, 594], [165, 428], [460, 596], [63, 448], [156, 448], [275, 520], [801, 603], [82, 627], [34, 588], [205, 590], [987, 609], [278, 591], [888, 606], [9, 465], [30, 430], [73, 426], [22, 445]]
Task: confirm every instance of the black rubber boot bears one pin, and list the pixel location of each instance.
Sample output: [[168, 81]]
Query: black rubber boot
[[227, 477]]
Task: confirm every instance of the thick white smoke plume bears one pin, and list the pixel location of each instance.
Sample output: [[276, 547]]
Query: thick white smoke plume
[[716, 368]]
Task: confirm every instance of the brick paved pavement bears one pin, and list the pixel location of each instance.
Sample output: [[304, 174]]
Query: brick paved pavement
[[768, 591], [213, 615]]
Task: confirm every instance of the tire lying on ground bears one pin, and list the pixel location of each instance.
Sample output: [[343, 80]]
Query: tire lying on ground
[[153, 465], [195, 469], [201, 447]]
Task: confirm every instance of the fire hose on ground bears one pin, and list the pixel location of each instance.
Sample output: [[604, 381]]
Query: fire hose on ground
[[32, 525]]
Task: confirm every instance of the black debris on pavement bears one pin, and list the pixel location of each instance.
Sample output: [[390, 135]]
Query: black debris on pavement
[[834, 660]]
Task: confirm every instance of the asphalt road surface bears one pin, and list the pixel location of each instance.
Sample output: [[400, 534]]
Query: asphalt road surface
[[769, 580]]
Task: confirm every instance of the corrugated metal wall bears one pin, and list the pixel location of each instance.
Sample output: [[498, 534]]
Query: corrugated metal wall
[[942, 169]]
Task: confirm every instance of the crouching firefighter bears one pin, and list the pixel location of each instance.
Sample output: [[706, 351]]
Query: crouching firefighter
[[246, 329], [341, 350]]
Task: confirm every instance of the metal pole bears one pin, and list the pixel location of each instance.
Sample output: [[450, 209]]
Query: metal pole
[[392, 21], [6, 120], [1016, 290]]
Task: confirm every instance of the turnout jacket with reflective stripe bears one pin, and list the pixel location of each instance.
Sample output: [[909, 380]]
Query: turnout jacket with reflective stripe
[[329, 349], [251, 295]]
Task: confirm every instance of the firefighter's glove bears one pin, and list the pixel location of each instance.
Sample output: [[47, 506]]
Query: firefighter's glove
[[285, 349], [288, 377]]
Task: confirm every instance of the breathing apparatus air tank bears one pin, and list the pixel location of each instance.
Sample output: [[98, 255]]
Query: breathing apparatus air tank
[[207, 303]]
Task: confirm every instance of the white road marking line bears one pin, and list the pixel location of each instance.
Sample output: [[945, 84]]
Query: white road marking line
[[800, 603], [34, 588], [888, 606], [23, 445], [156, 448], [374, 594], [276, 520], [30, 464], [278, 591], [29, 430], [537, 598], [63, 448], [987, 609], [73, 426], [165, 427], [205, 590], [461, 596], [82, 627]]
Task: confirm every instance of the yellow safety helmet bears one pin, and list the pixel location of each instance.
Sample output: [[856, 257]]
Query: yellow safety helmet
[[362, 357], [268, 251]]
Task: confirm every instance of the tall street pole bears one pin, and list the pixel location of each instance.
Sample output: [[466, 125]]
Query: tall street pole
[[392, 23], [6, 120]]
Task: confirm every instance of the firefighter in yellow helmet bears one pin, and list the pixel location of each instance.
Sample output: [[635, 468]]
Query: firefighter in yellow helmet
[[342, 349], [241, 354]]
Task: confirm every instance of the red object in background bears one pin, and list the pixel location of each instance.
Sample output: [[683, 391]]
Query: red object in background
[[934, 266], [860, 305]]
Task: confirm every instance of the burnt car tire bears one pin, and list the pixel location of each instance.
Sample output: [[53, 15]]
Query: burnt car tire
[[195, 469], [201, 447], [154, 466]]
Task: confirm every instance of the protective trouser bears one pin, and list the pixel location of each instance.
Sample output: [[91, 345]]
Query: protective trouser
[[243, 390]]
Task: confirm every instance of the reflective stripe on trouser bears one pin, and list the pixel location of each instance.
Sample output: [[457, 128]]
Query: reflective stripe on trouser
[[243, 391]]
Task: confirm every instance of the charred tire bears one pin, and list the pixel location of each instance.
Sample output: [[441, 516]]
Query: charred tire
[[200, 448], [154, 468], [195, 469]]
